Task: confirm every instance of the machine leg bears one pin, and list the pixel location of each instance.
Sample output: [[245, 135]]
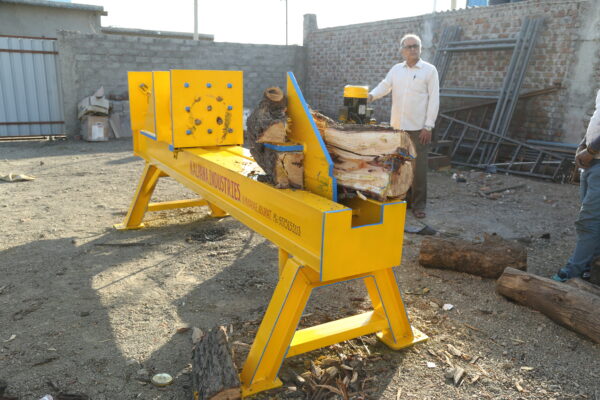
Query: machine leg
[[144, 191], [387, 302], [276, 330], [216, 212]]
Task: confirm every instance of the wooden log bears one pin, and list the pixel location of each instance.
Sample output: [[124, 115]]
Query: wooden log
[[268, 121], [286, 168], [567, 305], [214, 375], [377, 161], [487, 259]]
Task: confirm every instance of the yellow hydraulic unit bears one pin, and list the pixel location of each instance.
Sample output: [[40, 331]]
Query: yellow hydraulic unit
[[355, 110], [188, 125]]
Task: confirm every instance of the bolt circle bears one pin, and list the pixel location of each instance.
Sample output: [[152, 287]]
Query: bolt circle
[[230, 107], [208, 85], [188, 132], [229, 85], [210, 131], [187, 109], [186, 85], [209, 108]]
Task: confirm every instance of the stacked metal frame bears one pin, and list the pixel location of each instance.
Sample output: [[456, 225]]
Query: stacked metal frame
[[479, 134]]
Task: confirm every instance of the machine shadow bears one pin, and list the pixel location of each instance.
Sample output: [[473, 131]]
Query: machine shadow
[[60, 325]]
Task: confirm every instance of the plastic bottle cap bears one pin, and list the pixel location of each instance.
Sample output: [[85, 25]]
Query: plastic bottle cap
[[162, 379]]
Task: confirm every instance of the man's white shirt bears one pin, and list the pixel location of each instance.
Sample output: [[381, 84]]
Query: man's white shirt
[[593, 130], [415, 95]]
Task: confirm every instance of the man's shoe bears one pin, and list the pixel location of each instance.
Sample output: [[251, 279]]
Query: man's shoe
[[586, 275], [562, 275]]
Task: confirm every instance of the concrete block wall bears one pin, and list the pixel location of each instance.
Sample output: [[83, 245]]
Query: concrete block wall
[[567, 54], [88, 61]]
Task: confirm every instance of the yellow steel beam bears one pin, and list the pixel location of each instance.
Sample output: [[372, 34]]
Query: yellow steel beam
[[170, 205]]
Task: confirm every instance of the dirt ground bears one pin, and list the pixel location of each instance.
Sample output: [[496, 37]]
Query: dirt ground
[[88, 309]]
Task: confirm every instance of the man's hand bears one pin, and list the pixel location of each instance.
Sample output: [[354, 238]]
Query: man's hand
[[370, 98], [425, 136], [583, 159]]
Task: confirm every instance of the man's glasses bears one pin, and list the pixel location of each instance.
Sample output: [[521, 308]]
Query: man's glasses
[[411, 47]]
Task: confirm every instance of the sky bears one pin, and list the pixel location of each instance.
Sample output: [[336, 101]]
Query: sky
[[256, 21]]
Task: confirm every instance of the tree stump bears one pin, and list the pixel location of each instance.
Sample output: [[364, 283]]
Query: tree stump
[[577, 309], [214, 375], [487, 259]]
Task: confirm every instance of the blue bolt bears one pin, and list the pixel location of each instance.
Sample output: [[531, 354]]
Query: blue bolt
[[187, 109], [210, 131], [188, 132], [230, 107], [229, 85], [208, 85], [186, 85]]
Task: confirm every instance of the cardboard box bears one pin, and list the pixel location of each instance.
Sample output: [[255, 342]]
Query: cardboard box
[[95, 128]]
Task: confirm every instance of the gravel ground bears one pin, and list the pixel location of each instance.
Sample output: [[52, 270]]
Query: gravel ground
[[88, 309]]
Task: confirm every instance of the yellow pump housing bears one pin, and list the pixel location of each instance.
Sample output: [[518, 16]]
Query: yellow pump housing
[[321, 241]]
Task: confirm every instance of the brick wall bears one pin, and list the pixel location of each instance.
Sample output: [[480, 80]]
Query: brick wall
[[89, 61], [363, 53]]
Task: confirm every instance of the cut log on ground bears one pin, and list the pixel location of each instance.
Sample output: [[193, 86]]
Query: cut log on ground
[[487, 259], [567, 305], [375, 160], [214, 375]]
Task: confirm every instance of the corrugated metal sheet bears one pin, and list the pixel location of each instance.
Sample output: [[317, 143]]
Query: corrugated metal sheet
[[30, 94]]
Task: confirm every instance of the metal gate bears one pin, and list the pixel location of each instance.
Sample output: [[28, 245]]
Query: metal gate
[[30, 94]]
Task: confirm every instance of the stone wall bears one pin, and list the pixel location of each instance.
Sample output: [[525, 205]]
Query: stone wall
[[88, 61], [567, 54]]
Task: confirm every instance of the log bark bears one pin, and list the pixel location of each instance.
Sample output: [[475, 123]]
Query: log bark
[[567, 305], [487, 259], [214, 375], [375, 160], [268, 121], [583, 285]]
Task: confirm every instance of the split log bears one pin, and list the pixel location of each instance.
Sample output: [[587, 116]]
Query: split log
[[285, 169], [214, 375], [567, 305], [375, 160], [487, 259]]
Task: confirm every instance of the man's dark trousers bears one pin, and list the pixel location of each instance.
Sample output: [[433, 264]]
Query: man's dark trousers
[[417, 195]]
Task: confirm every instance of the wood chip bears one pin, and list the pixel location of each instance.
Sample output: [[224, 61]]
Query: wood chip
[[519, 387], [454, 351], [197, 335], [526, 368]]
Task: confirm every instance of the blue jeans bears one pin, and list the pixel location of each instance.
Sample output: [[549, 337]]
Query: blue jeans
[[588, 222]]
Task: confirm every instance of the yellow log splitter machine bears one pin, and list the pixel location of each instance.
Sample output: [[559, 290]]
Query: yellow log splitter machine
[[188, 125]]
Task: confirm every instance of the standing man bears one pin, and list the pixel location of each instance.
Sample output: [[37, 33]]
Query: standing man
[[588, 221], [415, 89]]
